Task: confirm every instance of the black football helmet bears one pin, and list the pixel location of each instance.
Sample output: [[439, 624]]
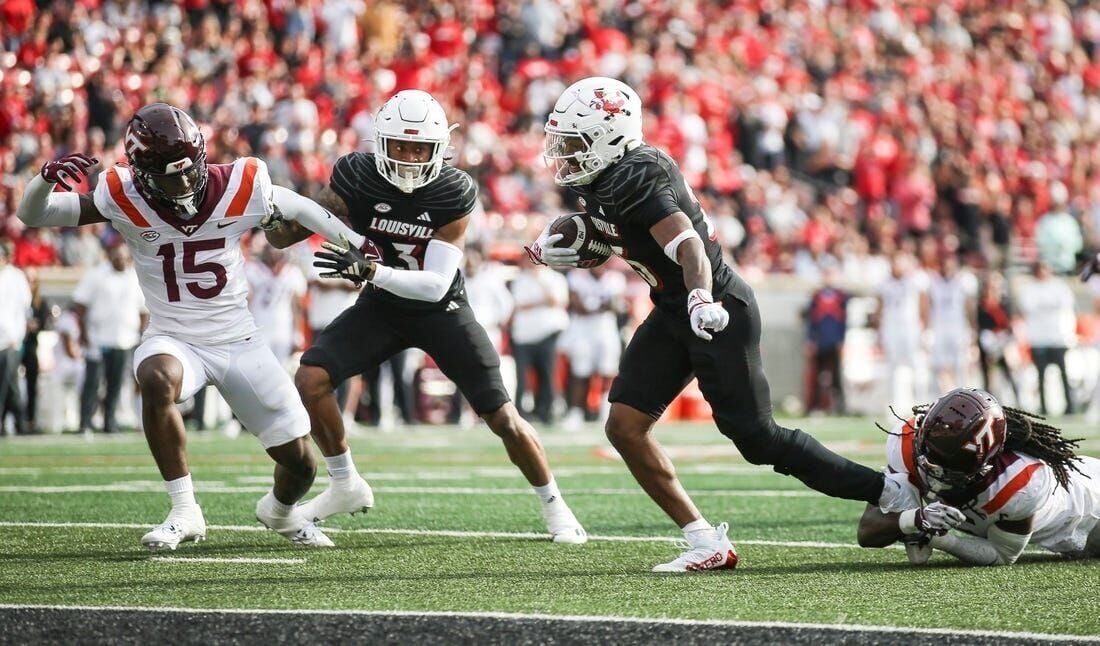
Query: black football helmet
[[958, 438], [167, 154]]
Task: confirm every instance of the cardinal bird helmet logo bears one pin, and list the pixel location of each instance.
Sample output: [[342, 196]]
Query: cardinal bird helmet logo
[[610, 101]]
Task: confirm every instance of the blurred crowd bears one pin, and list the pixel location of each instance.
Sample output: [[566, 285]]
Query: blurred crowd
[[822, 137], [811, 131]]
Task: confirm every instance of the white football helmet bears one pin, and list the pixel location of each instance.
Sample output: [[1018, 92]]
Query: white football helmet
[[595, 121], [411, 115]]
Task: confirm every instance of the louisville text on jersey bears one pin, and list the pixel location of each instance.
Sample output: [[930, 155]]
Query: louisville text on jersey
[[398, 228]]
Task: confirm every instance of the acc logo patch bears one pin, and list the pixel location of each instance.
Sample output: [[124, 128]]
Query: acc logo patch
[[149, 236], [382, 207]]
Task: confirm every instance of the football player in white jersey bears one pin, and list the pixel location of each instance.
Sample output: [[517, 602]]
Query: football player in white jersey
[[1001, 476], [183, 220]]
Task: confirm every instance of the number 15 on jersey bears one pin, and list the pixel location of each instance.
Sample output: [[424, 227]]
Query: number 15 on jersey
[[200, 270]]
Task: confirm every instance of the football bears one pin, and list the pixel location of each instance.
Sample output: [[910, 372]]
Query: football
[[578, 233]]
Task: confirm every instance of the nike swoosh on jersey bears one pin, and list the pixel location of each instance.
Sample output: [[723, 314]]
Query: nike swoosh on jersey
[[223, 224]]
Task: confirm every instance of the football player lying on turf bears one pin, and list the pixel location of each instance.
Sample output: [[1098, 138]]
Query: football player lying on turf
[[1000, 475], [705, 323], [415, 209], [183, 220]]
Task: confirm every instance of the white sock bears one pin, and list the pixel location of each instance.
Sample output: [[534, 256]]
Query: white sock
[[281, 510], [548, 492], [181, 491], [698, 530], [340, 467]]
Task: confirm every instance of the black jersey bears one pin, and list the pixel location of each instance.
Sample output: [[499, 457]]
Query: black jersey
[[641, 189], [402, 223]]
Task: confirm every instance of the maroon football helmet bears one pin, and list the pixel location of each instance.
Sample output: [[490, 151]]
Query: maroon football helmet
[[958, 438], [167, 155]]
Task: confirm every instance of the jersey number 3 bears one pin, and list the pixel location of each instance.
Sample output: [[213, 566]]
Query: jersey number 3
[[191, 247]]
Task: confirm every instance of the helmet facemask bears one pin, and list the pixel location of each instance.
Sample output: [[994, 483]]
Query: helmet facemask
[[180, 191], [941, 479], [571, 157], [408, 176]]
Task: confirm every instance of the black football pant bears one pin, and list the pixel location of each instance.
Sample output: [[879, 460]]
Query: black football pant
[[375, 329], [664, 355]]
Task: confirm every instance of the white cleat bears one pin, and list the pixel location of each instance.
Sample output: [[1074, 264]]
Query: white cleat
[[339, 499], [562, 524], [715, 553], [295, 527], [183, 524]]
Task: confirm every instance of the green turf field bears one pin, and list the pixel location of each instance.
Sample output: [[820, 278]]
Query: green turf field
[[456, 528]]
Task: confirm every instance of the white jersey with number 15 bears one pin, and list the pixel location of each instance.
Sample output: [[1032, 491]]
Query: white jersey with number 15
[[192, 270]]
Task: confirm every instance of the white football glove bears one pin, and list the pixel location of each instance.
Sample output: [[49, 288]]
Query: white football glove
[[543, 251], [705, 314], [935, 519]]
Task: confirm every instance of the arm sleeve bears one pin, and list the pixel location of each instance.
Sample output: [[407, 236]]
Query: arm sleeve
[[1000, 548], [441, 260], [313, 216], [41, 206]]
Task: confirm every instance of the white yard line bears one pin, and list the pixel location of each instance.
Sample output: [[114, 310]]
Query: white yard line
[[151, 486], [796, 626], [439, 473], [213, 559], [435, 532]]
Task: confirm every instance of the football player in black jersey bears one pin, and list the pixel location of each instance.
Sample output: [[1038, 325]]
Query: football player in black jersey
[[705, 324], [411, 211]]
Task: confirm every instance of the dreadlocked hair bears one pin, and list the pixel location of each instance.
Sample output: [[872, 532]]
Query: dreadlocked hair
[[1029, 433]]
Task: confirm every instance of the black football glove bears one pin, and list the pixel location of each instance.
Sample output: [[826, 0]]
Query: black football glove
[[345, 261]]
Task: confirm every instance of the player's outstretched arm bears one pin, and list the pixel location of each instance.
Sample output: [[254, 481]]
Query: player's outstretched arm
[[295, 217], [442, 258], [430, 283], [879, 529], [41, 206], [682, 244], [1004, 542]]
